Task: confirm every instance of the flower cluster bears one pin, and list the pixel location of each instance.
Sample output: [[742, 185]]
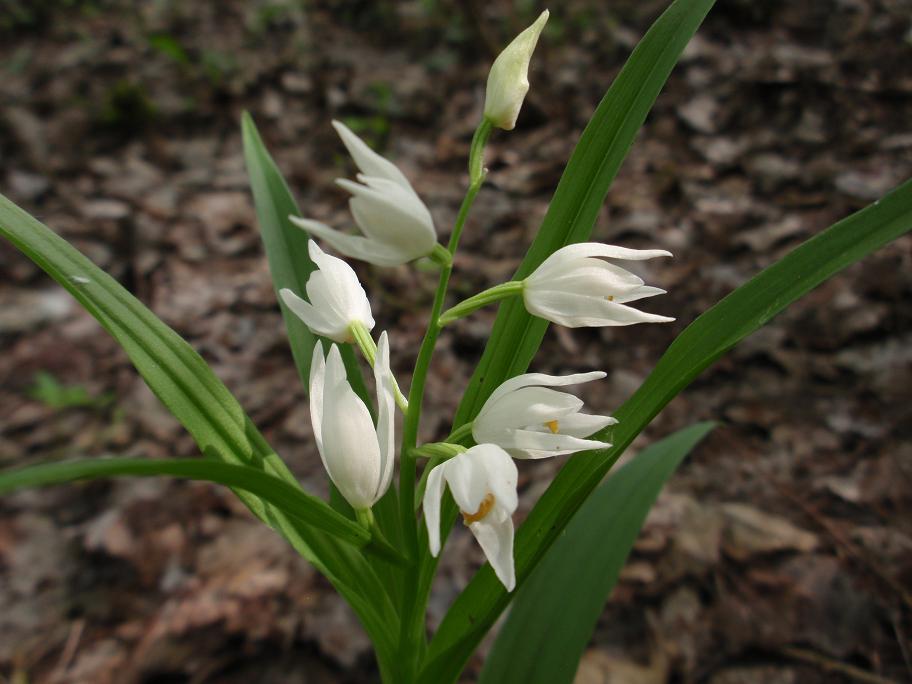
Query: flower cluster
[[526, 417]]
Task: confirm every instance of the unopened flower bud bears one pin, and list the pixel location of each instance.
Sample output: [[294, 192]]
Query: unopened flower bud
[[508, 81]]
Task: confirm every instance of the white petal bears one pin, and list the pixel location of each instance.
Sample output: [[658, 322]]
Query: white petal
[[310, 315], [385, 415], [370, 163], [546, 444], [639, 293], [501, 474], [587, 276], [392, 217], [352, 454], [317, 377], [496, 540], [433, 493], [527, 379], [336, 292], [354, 246], [523, 407], [575, 311], [579, 250], [584, 424]]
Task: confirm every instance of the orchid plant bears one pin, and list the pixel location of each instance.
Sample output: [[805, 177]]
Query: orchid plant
[[378, 544]]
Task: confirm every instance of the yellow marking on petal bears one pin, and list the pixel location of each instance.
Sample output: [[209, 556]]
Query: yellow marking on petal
[[610, 298], [553, 425], [486, 505]]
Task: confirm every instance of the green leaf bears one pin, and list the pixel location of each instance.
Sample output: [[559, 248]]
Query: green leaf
[[553, 615], [706, 339], [287, 498], [178, 376], [170, 366]]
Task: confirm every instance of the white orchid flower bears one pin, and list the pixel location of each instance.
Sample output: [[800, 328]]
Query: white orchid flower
[[575, 289], [508, 80], [396, 225], [482, 481], [337, 300], [529, 420], [357, 456]]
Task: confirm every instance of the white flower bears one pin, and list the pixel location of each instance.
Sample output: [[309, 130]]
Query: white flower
[[529, 420], [397, 226], [358, 457], [508, 80], [574, 289], [336, 298], [482, 481]]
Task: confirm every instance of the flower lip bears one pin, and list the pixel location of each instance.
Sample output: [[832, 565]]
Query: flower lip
[[482, 481]]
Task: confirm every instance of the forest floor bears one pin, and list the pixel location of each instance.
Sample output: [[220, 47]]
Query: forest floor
[[782, 549]]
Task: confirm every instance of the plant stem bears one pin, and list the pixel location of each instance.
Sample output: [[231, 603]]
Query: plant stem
[[511, 288], [412, 619]]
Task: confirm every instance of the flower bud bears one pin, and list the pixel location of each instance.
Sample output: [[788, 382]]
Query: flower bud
[[337, 299], [508, 81]]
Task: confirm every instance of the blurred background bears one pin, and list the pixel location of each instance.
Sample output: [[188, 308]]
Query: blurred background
[[780, 552]]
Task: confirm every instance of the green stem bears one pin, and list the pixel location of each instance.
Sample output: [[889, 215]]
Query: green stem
[[510, 288], [460, 433], [412, 619], [438, 449], [368, 347]]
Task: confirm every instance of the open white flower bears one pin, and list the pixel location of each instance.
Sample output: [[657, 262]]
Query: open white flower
[[357, 456], [396, 225], [573, 288], [482, 481], [337, 299], [508, 80], [529, 420]]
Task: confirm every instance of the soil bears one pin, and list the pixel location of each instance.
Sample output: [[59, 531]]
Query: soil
[[782, 549]]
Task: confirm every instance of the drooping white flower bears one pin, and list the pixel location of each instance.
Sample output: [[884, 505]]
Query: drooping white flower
[[336, 298], [482, 481], [575, 289], [396, 225], [357, 456], [508, 80], [529, 420]]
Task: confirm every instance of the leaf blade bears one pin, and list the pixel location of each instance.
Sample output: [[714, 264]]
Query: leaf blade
[[287, 498], [554, 613]]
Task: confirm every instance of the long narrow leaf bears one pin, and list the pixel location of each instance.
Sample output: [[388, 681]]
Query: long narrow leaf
[[706, 339], [553, 615], [190, 390], [291, 500]]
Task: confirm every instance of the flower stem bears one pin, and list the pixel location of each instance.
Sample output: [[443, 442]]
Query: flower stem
[[412, 619], [369, 348], [510, 288]]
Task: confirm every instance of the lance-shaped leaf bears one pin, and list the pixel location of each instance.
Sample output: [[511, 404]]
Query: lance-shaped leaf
[[553, 615]]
